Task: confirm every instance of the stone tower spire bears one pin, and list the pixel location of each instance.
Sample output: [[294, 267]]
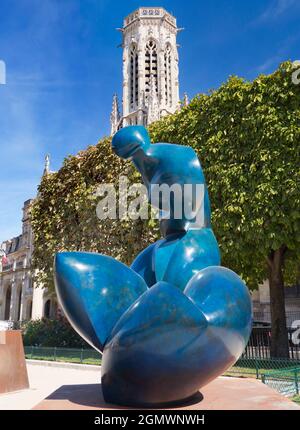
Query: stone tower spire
[[47, 165], [185, 100], [150, 65], [114, 116]]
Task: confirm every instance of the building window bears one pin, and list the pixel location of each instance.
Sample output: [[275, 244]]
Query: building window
[[168, 75], [133, 76], [47, 308], [7, 303], [50, 309], [150, 66], [19, 304], [54, 309], [29, 310]]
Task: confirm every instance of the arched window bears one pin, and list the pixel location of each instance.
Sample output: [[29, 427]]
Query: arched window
[[150, 66], [19, 304], [53, 312], [47, 308], [133, 81], [168, 75], [29, 309], [7, 303]]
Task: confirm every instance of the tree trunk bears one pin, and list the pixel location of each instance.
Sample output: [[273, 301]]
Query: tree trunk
[[279, 334]]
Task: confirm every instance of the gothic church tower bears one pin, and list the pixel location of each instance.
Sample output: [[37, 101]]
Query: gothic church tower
[[150, 67]]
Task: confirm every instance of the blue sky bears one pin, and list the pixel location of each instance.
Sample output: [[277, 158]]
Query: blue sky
[[63, 66]]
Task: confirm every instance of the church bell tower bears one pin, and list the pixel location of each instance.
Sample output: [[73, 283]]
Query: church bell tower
[[150, 66]]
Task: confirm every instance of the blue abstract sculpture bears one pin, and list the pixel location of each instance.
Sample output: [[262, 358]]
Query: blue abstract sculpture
[[176, 319]]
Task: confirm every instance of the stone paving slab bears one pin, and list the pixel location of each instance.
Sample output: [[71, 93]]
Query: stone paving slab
[[64, 387], [224, 393], [44, 380]]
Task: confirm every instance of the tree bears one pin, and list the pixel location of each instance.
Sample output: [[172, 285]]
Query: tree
[[63, 215], [247, 136]]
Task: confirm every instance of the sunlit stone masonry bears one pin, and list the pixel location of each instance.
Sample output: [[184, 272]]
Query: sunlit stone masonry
[[150, 68]]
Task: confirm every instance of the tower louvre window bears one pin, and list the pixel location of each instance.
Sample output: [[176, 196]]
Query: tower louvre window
[[168, 75], [150, 65], [133, 77]]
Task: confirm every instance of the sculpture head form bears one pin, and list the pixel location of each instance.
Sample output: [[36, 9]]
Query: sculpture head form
[[130, 139]]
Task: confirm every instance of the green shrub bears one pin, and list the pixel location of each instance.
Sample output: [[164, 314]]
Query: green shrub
[[47, 332]]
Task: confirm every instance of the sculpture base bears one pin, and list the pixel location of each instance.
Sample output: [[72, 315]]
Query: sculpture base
[[223, 393], [191, 400], [13, 372]]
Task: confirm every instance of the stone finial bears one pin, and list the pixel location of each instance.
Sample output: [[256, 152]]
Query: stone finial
[[47, 165], [114, 116], [185, 100]]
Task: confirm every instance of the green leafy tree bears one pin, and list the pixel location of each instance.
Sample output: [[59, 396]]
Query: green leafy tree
[[247, 136], [64, 214]]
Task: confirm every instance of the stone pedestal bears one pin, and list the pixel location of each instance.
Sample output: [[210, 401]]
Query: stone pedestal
[[13, 372]]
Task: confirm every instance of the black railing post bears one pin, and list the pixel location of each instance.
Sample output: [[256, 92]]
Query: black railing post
[[256, 367], [259, 344], [296, 381]]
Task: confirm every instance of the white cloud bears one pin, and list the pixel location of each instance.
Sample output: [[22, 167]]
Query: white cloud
[[269, 63], [277, 9]]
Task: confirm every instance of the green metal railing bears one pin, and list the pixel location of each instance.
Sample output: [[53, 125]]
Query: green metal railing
[[281, 374], [286, 382], [70, 355], [255, 367], [249, 367]]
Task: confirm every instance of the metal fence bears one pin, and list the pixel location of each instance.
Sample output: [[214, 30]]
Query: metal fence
[[70, 355], [257, 349], [280, 374], [256, 367], [252, 367], [259, 345], [286, 381]]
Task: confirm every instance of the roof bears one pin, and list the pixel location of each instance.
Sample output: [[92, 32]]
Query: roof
[[149, 12], [13, 245]]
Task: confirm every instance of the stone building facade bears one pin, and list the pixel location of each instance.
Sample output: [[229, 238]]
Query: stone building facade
[[261, 303], [150, 68], [20, 299]]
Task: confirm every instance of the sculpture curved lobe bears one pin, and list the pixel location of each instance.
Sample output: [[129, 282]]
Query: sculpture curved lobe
[[94, 291], [176, 319]]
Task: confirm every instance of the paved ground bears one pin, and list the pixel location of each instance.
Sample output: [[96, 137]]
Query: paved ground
[[44, 380], [78, 387], [224, 393]]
